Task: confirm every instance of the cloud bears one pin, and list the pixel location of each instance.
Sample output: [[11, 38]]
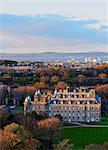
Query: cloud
[[82, 9], [50, 33], [99, 25]]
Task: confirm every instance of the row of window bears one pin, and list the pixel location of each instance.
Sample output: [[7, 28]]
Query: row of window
[[77, 114], [75, 108], [74, 96], [80, 119]]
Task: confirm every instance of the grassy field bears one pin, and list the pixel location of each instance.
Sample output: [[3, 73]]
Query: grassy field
[[105, 116], [84, 136]]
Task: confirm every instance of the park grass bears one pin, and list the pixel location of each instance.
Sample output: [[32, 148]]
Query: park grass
[[105, 116], [81, 137]]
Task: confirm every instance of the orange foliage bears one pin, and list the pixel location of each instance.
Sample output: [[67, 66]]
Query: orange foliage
[[44, 79], [40, 71], [9, 138], [39, 85], [25, 89], [11, 127], [102, 66], [102, 91], [54, 79], [48, 123], [61, 85], [102, 75], [2, 137]]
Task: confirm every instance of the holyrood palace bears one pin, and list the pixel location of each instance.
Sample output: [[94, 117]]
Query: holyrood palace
[[73, 105]]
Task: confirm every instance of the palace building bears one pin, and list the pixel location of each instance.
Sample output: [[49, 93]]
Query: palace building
[[74, 105]]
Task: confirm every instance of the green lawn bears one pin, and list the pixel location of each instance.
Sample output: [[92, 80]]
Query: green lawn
[[105, 116], [84, 136]]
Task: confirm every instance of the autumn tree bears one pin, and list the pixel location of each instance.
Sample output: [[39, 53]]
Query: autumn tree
[[11, 139], [45, 79], [44, 130], [51, 71], [102, 91], [40, 71], [8, 140], [63, 72], [54, 79], [61, 85], [102, 66], [39, 85], [102, 75], [17, 129], [80, 78]]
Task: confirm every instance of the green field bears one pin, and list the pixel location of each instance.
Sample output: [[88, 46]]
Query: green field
[[84, 136], [105, 116]]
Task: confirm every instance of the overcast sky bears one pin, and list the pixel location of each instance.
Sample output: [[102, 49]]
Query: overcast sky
[[30, 26]]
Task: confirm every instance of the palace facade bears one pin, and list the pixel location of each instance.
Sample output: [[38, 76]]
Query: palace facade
[[76, 105]]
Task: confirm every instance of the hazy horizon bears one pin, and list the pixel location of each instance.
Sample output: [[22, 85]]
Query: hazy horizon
[[53, 52]]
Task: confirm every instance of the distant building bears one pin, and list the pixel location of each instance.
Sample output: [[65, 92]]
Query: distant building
[[77, 105]]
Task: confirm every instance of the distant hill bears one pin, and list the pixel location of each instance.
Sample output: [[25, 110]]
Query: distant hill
[[53, 56]]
